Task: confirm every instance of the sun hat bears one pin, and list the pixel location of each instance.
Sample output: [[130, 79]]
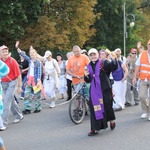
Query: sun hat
[[117, 49], [92, 50], [47, 54]]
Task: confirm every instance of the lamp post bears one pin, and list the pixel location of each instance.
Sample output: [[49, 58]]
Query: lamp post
[[125, 26]]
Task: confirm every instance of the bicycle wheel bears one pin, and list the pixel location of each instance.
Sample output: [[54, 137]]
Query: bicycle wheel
[[77, 109]]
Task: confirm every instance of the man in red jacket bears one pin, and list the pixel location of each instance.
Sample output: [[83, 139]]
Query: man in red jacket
[[9, 84]]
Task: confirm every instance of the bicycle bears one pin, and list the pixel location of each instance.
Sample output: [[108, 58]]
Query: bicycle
[[78, 106]]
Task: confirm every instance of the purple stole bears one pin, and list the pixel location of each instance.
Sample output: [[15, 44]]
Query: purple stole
[[96, 91]]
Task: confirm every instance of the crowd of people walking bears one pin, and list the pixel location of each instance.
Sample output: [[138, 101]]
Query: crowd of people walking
[[115, 82]]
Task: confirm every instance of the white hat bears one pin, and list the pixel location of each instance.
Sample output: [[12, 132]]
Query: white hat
[[92, 50], [83, 51], [118, 49], [3, 47], [47, 54]]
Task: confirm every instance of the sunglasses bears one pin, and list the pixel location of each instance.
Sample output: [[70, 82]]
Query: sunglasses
[[133, 53]]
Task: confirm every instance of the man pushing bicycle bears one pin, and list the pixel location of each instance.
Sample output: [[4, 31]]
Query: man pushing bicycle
[[76, 67]]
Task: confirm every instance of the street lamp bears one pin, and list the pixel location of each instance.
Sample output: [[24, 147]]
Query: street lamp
[[125, 26]]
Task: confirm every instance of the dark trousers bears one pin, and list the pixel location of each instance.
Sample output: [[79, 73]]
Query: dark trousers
[[69, 90]]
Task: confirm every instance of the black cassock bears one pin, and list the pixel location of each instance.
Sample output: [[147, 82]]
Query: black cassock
[[106, 68]]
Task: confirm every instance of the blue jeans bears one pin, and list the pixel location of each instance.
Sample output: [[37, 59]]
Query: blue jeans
[[24, 80], [78, 87]]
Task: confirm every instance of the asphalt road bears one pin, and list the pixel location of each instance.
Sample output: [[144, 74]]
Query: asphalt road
[[52, 129]]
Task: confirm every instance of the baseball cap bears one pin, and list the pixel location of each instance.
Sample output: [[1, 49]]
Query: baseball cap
[[133, 50], [3, 47], [47, 54], [83, 51], [92, 50]]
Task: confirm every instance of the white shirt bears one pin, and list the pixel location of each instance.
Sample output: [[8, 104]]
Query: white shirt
[[31, 73], [49, 67]]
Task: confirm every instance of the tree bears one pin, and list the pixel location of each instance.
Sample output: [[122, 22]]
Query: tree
[[143, 8], [15, 16], [109, 24], [70, 23], [42, 36]]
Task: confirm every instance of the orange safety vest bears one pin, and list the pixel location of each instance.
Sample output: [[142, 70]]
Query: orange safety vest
[[145, 66]]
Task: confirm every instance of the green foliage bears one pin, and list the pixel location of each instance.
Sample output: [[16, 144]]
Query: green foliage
[[10, 25], [56, 24], [43, 35], [143, 8], [109, 24], [72, 21], [60, 24], [15, 16]]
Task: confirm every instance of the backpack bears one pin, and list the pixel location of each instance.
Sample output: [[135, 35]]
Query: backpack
[[52, 62]]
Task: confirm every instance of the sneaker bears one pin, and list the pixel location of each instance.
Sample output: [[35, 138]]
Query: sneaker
[[18, 120], [92, 133], [3, 128], [118, 109], [21, 98], [136, 104], [26, 111], [52, 105], [62, 96], [127, 104], [37, 111], [144, 115]]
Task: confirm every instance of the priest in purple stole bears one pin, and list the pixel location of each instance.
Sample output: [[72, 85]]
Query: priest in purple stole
[[101, 98]]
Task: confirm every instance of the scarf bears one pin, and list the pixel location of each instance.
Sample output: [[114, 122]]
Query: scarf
[[96, 90]]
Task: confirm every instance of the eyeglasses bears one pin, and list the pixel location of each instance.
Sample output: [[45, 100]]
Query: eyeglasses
[[133, 53]]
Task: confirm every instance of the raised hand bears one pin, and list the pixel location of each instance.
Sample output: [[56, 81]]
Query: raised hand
[[139, 44], [17, 44]]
